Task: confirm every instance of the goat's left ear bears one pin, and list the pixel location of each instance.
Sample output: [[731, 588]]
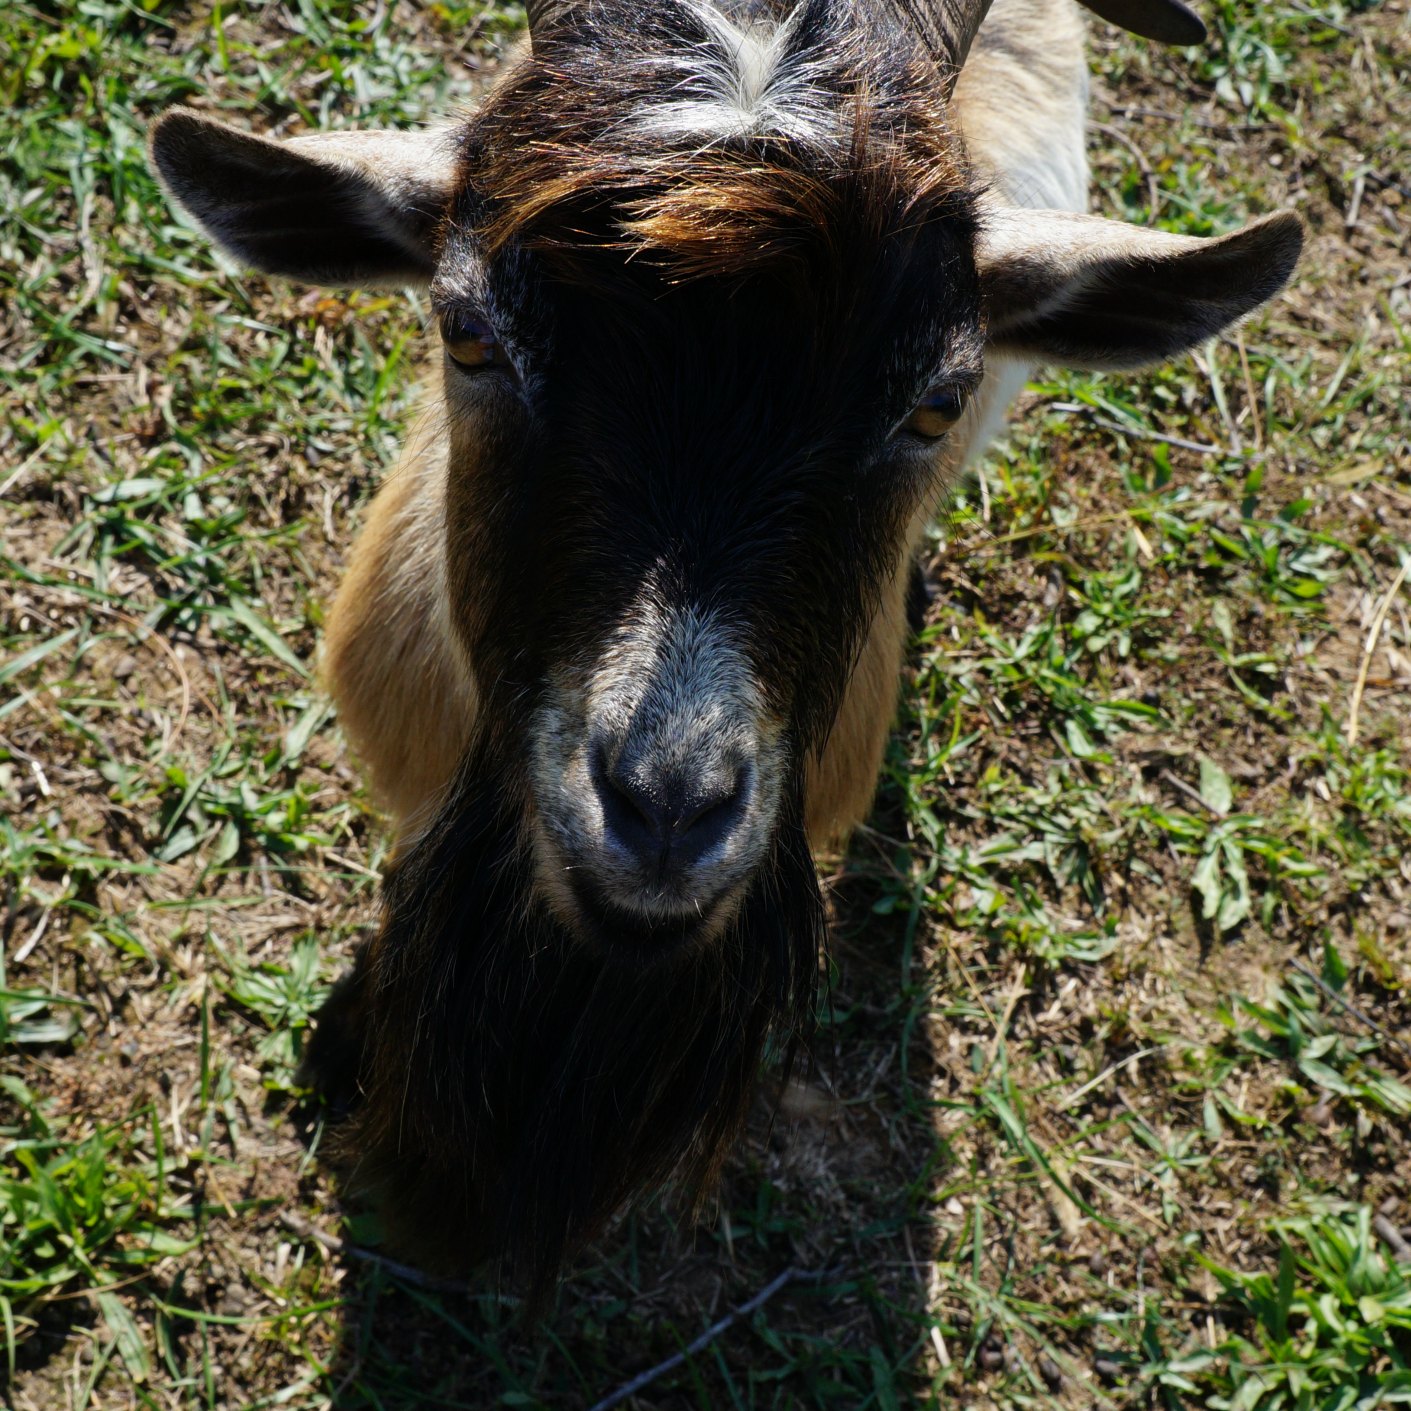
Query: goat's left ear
[[1093, 293], [332, 208]]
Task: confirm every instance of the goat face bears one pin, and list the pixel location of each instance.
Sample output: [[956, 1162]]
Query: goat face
[[711, 296], [703, 367]]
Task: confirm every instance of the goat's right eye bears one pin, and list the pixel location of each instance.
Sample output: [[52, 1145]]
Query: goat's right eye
[[471, 343]]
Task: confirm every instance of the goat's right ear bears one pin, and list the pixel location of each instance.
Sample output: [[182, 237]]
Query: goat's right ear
[[334, 208]]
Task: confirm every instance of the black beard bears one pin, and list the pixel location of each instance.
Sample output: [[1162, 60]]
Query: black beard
[[517, 1086]]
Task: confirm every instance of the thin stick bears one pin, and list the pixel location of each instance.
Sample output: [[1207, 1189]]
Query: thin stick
[[1373, 634], [23, 954], [20, 469], [1254, 417], [939, 1343], [1351, 1008], [1079, 1094], [1393, 1237], [993, 542], [1153, 192], [970, 980], [297, 1225], [1213, 124], [1186, 789], [1322, 19], [1137, 433], [709, 1336], [1354, 206], [1199, 446]]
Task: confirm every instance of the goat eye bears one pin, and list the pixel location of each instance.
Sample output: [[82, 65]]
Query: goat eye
[[936, 413], [471, 343]]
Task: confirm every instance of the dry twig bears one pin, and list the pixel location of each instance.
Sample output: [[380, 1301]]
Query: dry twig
[[1177, 782], [1395, 1241], [1201, 447], [721, 1325], [1373, 633], [1153, 191], [306, 1230], [1080, 1093], [1351, 1008]]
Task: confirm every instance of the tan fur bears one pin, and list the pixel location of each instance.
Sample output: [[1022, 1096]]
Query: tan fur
[[404, 692], [1021, 104], [840, 786], [391, 662]]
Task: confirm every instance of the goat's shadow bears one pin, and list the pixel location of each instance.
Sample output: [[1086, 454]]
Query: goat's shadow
[[813, 1257]]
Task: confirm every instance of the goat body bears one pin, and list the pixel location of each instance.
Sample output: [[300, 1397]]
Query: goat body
[[730, 294]]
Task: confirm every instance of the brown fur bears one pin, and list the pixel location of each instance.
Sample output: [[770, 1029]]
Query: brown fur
[[724, 212]]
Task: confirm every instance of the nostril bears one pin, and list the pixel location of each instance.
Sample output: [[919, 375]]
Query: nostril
[[715, 809], [671, 817], [630, 810], [707, 815]]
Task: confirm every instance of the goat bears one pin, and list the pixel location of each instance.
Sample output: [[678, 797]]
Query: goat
[[729, 292]]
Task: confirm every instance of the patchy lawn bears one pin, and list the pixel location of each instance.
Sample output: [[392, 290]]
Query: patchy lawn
[[1111, 1095]]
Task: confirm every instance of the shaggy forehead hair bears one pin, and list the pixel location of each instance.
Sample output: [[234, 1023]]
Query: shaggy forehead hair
[[716, 140]]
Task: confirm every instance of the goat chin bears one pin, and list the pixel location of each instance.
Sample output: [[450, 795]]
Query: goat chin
[[511, 1088]]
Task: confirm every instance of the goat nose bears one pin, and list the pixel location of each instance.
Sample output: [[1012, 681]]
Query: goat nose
[[668, 820]]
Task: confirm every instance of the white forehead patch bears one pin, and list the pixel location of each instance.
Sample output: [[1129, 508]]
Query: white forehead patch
[[681, 665], [740, 81]]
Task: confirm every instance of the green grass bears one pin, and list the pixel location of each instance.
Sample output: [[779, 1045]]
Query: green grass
[[1111, 1096]]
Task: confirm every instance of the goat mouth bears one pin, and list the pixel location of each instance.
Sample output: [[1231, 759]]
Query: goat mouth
[[615, 930]]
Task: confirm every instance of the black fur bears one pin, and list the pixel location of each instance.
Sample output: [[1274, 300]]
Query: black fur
[[518, 1087]]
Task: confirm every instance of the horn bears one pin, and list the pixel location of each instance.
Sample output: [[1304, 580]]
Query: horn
[[951, 25], [1166, 21], [544, 17]]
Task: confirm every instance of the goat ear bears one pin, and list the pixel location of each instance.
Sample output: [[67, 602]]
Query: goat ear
[[335, 208], [1093, 293]]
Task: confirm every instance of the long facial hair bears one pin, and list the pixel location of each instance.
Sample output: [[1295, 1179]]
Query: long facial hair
[[520, 1087]]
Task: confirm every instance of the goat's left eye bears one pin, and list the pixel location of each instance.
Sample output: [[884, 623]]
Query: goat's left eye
[[936, 413], [471, 343]]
